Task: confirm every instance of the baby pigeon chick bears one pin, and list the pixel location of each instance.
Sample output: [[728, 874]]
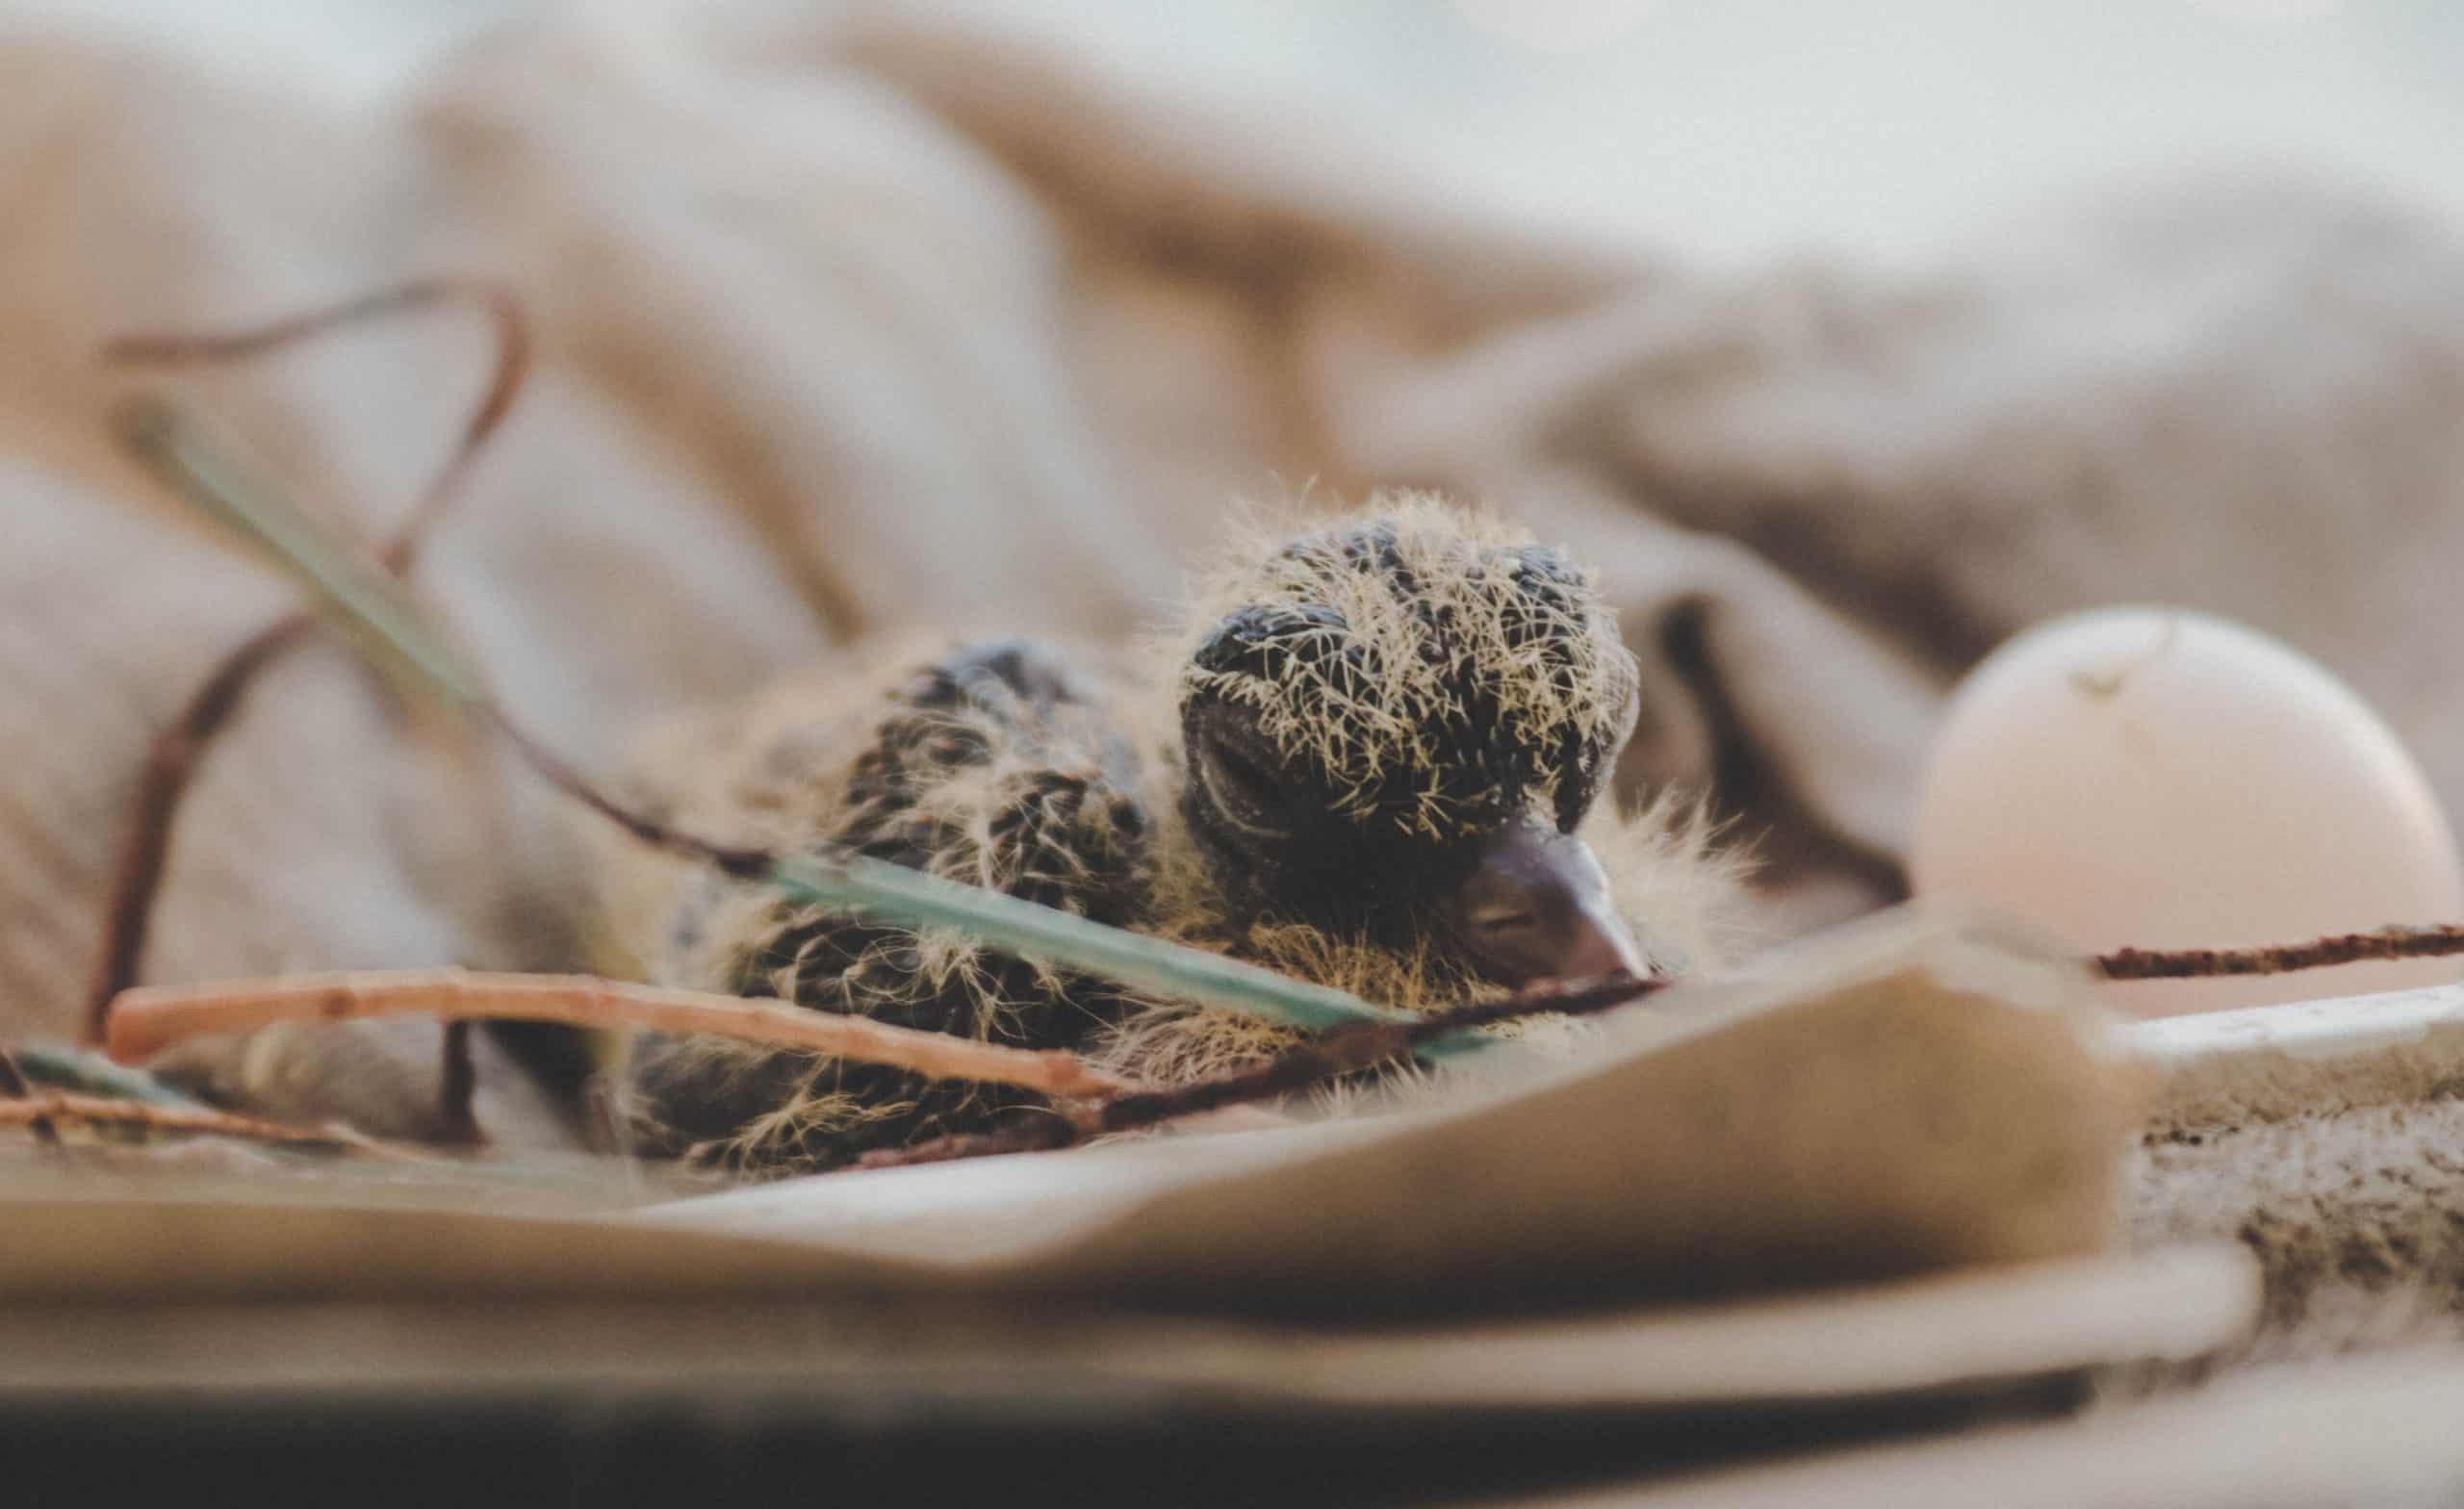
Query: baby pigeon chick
[[1372, 757]]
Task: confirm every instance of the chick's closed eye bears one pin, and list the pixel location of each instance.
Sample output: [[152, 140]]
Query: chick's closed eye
[[1249, 796]]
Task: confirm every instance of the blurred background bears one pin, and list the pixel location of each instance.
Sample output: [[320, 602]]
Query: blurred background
[[1731, 129]]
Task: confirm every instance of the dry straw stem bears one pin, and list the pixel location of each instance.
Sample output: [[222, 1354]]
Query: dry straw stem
[[58, 1105], [145, 1020], [173, 758]]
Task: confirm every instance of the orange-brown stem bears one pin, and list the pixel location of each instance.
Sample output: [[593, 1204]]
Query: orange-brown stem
[[145, 1020]]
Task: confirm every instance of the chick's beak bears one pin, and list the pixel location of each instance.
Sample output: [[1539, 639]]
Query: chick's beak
[[1536, 907]]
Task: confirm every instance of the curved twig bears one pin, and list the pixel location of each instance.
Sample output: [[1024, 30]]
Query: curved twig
[[171, 761], [144, 1021]]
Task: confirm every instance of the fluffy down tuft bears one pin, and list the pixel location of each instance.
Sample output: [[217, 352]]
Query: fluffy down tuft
[[1430, 665]]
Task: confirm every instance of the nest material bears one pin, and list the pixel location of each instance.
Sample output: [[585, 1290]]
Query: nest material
[[2356, 1216], [1018, 768]]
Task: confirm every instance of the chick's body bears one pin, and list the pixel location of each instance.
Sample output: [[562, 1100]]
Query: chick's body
[[1348, 725]]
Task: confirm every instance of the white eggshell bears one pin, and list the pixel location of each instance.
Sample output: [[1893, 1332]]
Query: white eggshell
[[2161, 779]]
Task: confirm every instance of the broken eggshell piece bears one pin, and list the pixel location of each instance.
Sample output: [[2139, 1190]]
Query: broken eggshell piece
[[2157, 777]]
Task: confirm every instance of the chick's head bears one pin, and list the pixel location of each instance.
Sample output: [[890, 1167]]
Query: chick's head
[[1394, 725]]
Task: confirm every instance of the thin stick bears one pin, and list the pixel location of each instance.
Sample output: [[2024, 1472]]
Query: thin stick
[[144, 1021], [137, 876], [509, 328], [2343, 948], [1343, 1051], [172, 762], [61, 1106]]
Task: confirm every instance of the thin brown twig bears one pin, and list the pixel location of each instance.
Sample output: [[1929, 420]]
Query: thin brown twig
[[63, 1106], [738, 862], [2341, 948], [145, 1020], [171, 761], [509, 326], [146, 846], [1342, 1050]]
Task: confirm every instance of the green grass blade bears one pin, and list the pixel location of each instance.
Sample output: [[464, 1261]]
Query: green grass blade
[[909, 898], [365, 600], [84, 1073]]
